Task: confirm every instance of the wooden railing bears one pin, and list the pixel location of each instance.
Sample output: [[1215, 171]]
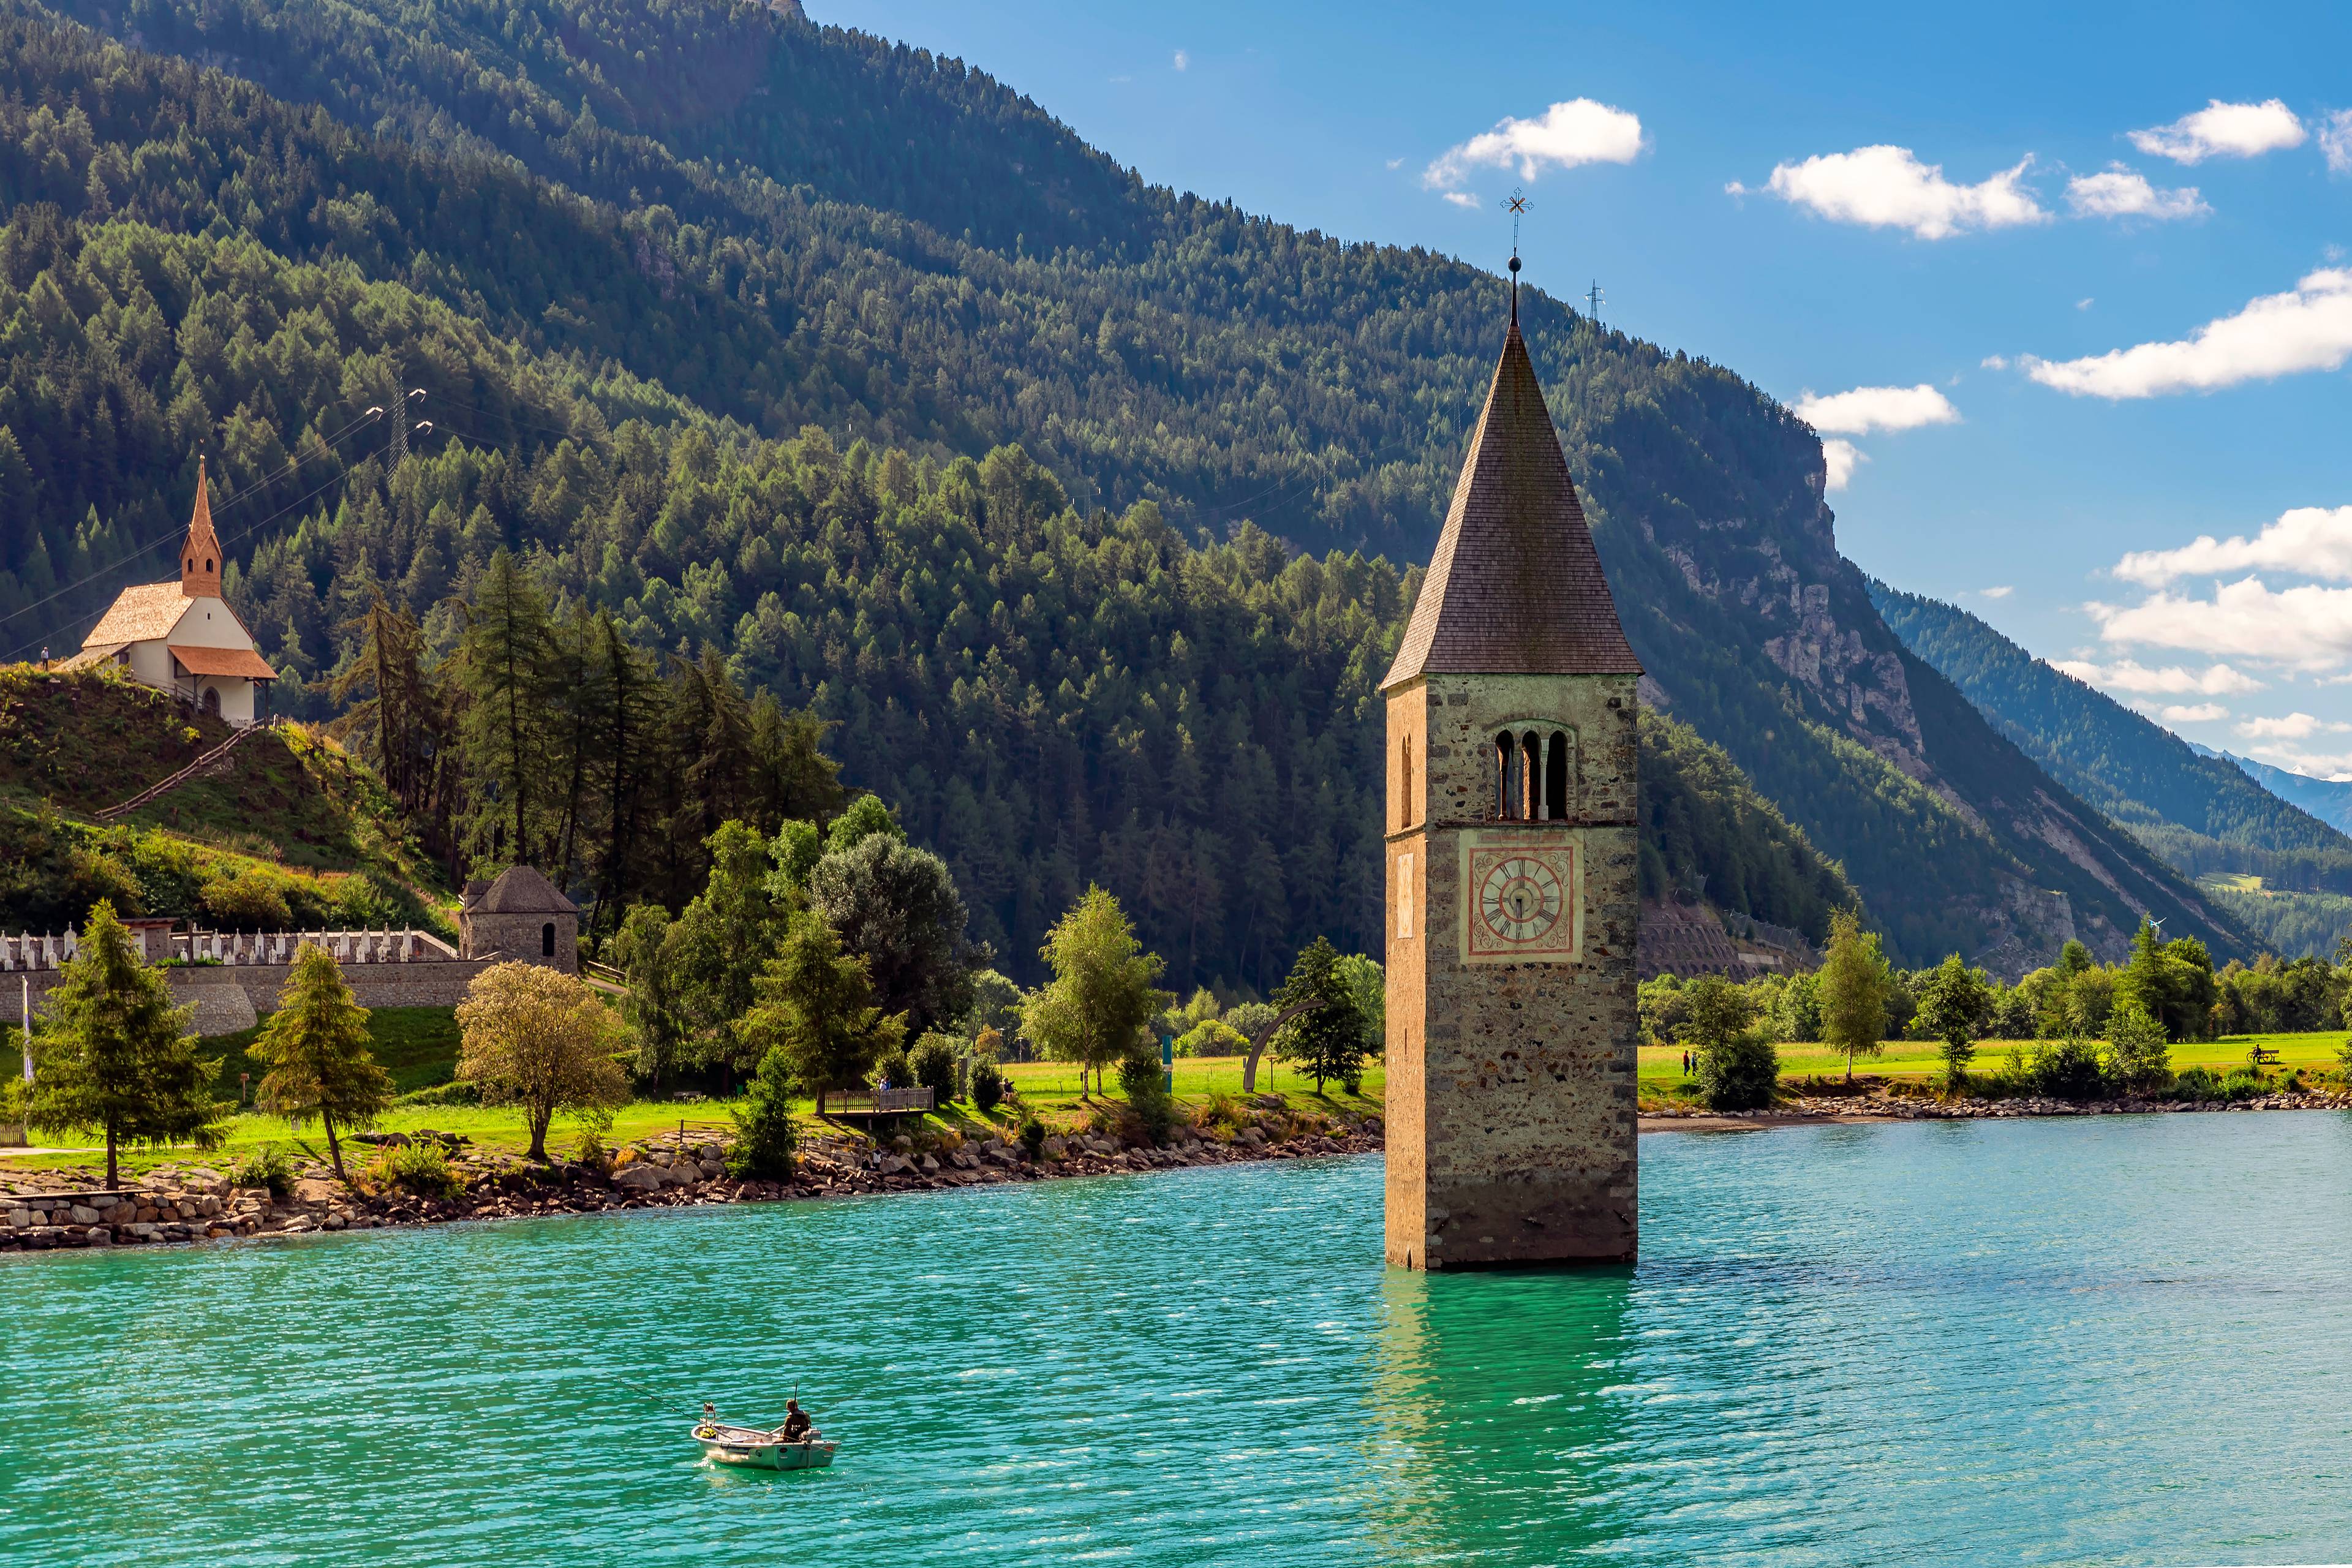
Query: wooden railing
[[878, 1102], [202, 764]]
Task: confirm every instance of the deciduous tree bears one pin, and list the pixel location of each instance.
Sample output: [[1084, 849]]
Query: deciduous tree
[[541, 1039], [1101, 994], [1851, 991]]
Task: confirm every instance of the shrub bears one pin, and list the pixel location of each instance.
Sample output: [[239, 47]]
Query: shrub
[[2197, 1084], [987, 1083], [459, 1091], [1739, 1073], [2069, 1069], [894, 1068], [935, 1067], [2138, 1057], [1215, 1037], [764, 1138], [1032, 1137], [595, 1125], [267, 1166], [420, 1168], [245, 900], [1145, 1083]]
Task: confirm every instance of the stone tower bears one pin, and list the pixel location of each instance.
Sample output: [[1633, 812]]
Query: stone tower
[[1512, 895]]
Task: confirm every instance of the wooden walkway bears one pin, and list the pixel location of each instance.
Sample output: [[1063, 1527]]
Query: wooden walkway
[[201, 765], [870, 1103]]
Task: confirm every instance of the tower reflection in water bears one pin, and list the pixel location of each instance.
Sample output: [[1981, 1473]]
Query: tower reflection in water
[[1497, 1409]]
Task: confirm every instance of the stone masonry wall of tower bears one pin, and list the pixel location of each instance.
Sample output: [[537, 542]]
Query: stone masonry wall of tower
[[1511, 1130]]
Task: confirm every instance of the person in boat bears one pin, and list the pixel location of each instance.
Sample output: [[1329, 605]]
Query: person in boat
[[796, 1422]]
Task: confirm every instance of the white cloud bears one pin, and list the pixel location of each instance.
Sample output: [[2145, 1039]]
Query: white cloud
[[1564, 136], [2336, 142], [1396, 162], [2085, 303], [1888, 187], [2172, 681], [2223, 130], [2305, 628], [1993, 361], [2295, 759], [2119, 191], [2200, 713], [1183, 60], [1843, 458], [2307, 540], [2293, 727], [1462, 199], [2275, 335], [1868, 408], [2003, 592]]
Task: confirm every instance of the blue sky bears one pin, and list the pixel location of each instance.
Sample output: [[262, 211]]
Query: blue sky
[[2009, 214]]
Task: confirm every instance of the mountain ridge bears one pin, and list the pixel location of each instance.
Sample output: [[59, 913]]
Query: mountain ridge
[[1224, 364]]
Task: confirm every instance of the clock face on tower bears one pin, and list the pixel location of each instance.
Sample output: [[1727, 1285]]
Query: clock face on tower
[[1524, 897]]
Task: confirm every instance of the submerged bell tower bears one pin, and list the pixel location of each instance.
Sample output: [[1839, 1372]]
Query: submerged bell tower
[[1512, 845]]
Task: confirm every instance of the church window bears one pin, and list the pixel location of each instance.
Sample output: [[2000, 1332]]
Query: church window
[[1404, 795], [1555, 768], [547, 940], [1508, 796]]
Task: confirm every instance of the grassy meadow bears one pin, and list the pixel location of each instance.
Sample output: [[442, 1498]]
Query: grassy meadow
[[418, 1046]]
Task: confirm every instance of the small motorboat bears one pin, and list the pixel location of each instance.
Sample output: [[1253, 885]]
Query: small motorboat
[[724, 1443]]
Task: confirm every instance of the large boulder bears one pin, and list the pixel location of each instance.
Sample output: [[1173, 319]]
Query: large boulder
[[638, 1179]]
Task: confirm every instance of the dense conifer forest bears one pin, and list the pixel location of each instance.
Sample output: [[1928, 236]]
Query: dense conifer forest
[[846, 366]]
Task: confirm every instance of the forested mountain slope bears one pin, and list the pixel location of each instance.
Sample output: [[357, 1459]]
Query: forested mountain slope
[[2330, 800], [627, 248], [2203, 812]]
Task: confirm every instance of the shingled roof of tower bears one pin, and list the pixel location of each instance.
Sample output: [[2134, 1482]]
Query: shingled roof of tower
[[1514, 586], [520, 891]]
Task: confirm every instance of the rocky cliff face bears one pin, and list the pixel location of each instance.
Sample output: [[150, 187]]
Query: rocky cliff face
[[1755, 631]]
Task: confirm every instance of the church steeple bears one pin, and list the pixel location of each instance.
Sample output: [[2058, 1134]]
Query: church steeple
[[1514, 586], [200, 557]]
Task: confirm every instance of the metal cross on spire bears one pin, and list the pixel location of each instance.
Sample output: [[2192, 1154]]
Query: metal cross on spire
[[1518, 206]]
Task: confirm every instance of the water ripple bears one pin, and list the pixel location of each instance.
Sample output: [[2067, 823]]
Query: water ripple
[[2015, 1342]]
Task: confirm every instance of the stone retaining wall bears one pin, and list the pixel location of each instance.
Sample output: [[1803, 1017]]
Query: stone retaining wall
[[229, 997]]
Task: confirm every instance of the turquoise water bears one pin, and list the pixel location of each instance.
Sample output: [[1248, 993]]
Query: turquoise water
[[2098, 1341]]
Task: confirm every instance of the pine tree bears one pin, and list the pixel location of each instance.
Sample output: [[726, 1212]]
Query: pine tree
[[316, 1048], [505, 661], [1327, 1038], [816, 1006], [116, 1057]]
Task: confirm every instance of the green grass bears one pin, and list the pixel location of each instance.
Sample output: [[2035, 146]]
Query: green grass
[[428, 1034], [1661, 1074], [418, 1046]]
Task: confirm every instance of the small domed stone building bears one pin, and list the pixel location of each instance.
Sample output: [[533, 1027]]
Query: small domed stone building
[[521, 915]]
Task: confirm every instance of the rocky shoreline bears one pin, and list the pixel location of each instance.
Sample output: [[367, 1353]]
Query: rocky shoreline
[[1877, 1105], [47, 1211]]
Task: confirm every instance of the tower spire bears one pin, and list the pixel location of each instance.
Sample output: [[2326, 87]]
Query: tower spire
[[200, 557], [1519, 207]]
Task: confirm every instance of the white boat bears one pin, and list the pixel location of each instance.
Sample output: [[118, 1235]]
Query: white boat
[[755, 1449]]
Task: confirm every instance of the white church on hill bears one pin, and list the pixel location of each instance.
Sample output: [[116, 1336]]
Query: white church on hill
[[182, 637]]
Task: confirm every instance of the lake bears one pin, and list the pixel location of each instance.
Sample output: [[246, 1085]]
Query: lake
[[2111, 1340]]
